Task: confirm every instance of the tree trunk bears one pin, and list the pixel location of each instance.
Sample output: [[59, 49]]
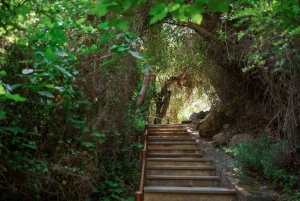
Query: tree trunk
[[162, 102], [144, 89]]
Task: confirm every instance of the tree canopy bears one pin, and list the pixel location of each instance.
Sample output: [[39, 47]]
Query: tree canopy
[[71, 72]]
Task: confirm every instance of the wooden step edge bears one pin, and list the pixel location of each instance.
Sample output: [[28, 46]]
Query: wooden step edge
[[174, 154], [189, 190], [181, 159], [159, 167], [169, 138], [174, 149], [177, 177], [172, 143]]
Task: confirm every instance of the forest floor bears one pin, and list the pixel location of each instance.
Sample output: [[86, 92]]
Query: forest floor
[[224, 162]]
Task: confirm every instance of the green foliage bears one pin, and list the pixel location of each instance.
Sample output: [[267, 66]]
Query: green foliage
[[263, 157], [273, 37]]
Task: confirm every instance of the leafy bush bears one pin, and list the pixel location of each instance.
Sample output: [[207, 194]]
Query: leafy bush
[[265, 157]]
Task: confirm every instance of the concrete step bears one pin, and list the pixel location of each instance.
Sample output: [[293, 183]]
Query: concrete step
[[167, 130], [174, 150], [183, 181], [167, 126], [170, 139], [168, 134], [170, 193], [175, 155], [178, 145], [179, 161], [181, 170]]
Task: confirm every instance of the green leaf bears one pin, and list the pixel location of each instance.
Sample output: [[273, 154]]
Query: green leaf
[[46, 93], [159, 16], [2, 90], [158, 8], [173, 6], [2, 114], [118, 24], [80, 21], [110, 183], [50, 55], [91, 49], [27, 71], [2, 73], [14, 130], [31, 146], [63, 70], [61, 53], [87, 144], [100, 9], [15, 97], [97, 134], [103, 25], [118, 190], [135, 54], [219, 5], [197, 18]]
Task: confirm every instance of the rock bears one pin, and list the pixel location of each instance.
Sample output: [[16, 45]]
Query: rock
[[201, 115], [221, 139], [236, 139], [225, 126], [197, 116], [193, 116], [210, 124], [196, 122]]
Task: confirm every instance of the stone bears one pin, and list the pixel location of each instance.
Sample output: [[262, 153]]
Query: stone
[[236, 139], [210, 124], [196, 121], [193, 116], [221, 139], [201, 115], [225, 126]]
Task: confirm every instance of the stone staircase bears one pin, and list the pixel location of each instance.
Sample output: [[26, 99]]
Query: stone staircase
[[176, 170]]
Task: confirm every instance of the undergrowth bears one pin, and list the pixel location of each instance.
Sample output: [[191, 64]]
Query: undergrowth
[[266, 159]]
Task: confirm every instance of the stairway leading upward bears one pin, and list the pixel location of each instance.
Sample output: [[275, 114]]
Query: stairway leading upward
[[176, 170]]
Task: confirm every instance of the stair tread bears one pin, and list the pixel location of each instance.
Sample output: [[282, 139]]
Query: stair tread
[[176, 189], [174, 148], [175, 143], [181, 167], [179, 159], [175, 154], [179, 177], [170, 138]]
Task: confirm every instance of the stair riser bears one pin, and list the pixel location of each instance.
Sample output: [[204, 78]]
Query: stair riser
[[168, 134], [173, 151], [167, 127], [175, 156], [183, 172], [178, 146], [188, 197], [180, 163], [183, 182], [173, 139], [167, 131]]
